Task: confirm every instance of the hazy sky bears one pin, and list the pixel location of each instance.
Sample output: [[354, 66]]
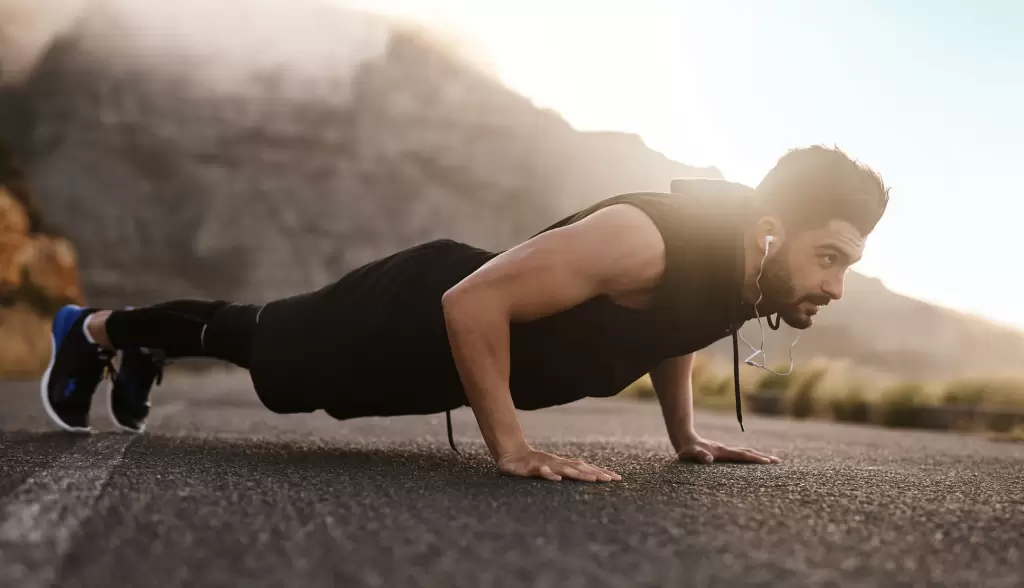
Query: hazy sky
[[930, 94]]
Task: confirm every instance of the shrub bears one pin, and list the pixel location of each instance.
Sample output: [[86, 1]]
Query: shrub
[[964, 393], [851, 407], [772, 382], [802, 396], [713, 387], [901, 405], [642, 388], [1000, 422]]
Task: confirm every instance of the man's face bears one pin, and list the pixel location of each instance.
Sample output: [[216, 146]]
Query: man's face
[[808, 270]]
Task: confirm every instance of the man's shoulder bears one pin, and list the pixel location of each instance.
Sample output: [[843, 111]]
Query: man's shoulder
[[696, 187], [686, 196], [698, 192]]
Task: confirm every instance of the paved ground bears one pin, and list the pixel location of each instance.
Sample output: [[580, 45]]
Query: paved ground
[[221, 492]]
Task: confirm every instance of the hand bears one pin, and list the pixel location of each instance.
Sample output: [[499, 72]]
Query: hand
[[529, 463], [696, 448]]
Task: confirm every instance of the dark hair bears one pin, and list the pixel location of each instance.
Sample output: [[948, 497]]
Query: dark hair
[[810, 186]]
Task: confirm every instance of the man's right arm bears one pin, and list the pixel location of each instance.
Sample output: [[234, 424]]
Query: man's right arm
[[616, 250]]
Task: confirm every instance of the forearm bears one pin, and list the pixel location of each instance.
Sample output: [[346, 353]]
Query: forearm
[[674, 386], [479, 339]]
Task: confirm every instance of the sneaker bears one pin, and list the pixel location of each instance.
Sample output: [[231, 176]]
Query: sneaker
[[129, 395], [76, 369]]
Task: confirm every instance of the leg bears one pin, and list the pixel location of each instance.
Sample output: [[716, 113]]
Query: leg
[[85, 341], [180, 328]]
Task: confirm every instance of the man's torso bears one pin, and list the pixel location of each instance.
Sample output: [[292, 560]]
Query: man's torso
[[374, 343]]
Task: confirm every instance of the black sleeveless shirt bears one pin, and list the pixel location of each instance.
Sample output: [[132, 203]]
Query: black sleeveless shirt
[[374, 343]]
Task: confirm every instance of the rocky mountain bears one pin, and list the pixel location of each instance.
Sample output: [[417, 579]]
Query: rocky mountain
[[187, 152], [38, 273], [881, 332], [175, 185]]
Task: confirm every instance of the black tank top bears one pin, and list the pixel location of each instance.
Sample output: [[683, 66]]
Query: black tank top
[[374, 343]]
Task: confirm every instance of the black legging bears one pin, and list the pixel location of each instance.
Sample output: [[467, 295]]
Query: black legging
[[188, 328]]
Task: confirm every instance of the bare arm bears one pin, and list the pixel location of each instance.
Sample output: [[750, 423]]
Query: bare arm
[[616, 250], [673, 383]]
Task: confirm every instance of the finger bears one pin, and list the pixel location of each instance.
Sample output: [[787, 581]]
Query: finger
[[703, 456], [569, 471], [582, 474], [608, 473], [611, 475], [597, 472], [755, 452], [589, 471], [740, 455], [772, 458], [546, 472], [752, 457]]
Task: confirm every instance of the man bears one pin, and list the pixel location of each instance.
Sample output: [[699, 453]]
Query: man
[[635, 284]]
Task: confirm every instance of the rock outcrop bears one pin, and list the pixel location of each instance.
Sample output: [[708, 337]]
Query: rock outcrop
[[186, 155], [174, 182], [38, 274]]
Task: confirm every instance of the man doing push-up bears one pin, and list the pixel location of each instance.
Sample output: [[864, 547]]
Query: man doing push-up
[[634, 284]]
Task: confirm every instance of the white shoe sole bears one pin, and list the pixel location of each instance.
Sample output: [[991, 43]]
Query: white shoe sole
[[44, 385]]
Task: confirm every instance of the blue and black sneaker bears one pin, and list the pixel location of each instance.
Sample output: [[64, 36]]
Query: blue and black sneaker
[[129, 396], [76, 369]]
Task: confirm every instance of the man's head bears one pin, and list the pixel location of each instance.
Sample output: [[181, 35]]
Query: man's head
[[819, 206]]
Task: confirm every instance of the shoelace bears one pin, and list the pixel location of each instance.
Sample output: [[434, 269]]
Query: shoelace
[[159, 359], [109, 371]]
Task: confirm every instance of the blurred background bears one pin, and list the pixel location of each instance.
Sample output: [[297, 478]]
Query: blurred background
[[251, 149]]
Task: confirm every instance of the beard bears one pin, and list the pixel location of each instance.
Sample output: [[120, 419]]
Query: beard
[[779, 293]]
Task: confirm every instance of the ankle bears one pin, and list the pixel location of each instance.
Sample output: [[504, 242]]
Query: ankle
[[96, 329]]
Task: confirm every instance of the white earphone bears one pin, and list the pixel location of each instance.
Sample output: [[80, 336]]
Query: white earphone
[[750, 360]]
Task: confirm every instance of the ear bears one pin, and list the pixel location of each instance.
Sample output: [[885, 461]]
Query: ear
[[769, 226]]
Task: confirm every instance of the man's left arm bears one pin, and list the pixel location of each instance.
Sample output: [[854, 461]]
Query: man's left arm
[[673, 383]]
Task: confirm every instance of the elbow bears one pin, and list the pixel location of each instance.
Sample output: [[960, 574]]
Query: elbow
[[464, 303], [452, 299], [456, 303]]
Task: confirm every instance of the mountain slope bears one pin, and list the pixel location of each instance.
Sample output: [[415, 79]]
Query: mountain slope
[[181, 172], [187, 155], [874, 328]]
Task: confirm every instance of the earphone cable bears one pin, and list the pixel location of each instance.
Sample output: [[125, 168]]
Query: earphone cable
[[749, 360]]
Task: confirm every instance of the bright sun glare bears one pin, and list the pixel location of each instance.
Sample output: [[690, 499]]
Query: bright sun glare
[[737, 83]]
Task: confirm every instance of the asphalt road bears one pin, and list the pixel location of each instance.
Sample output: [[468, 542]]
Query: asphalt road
[[221, 492]]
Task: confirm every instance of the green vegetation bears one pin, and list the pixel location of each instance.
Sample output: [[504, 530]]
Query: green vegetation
[[833, 392], [851, 406], [901, 405]]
